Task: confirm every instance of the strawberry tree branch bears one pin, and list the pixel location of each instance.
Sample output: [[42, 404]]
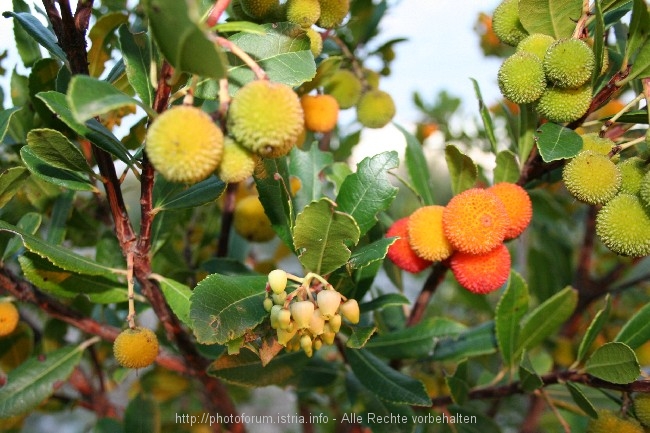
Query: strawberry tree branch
[[434, 279], [216, 12]]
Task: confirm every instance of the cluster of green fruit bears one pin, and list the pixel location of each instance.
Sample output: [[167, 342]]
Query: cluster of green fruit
[[621, 187], [308, 317], [555, 75], [609, 421]]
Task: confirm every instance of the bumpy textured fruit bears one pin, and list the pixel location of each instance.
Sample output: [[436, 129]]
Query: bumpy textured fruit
[[506, 24], [237, 163], [184, 144], [305, 13], [564, 105], [426, 236], [332, 13], [642, 408], [136, 348], [592, 141], [372, 78], [400, 252], [9, 318], [518, 207], [375, 109], [623, 225], [644, 190], [315, 42], [536, 44], [632, 172], [345, 87], [321, 112], [521, 78], [277, 280], [259, 8], [481, 273], [592, 178], [475, 221], [266, 118], [250, 220], [608, 422], [569, 63]]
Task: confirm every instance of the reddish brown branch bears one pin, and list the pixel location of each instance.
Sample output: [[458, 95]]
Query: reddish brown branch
[[227, 219], [436, 277], [216, 12]]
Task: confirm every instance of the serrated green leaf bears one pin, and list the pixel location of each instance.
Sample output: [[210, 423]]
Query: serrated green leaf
[[462, 170], [323, 236], [614, 362], [177, 296], [54, 148], [196, 195], [272, 182], [476, 341], [136, 53], [511, 308], [307, 166], [594, 329], [183, 42], [368, 254], [360, 336], [40, 168], [10, 182], [89, 97], [529, 379], [556, 18], [39, 32], [246, 369], [29, 223], [5, 118], [383, 301], [59, 256], [507, 169], [34, 380], [368, 191], [60, 213], [547, 318], [486, 117], [581, 400], [637, 330], [142, 415], [225, 307], [417, 167], [388, 384], [99, 34], [557, 142]]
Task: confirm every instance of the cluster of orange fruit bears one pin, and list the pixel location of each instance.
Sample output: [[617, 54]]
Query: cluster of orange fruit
[[468, 235]]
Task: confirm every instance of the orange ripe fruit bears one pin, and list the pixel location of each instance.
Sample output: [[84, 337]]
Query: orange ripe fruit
[[400, 251], [425, 234], [321, 112], [475, 221], [481, 273], [518, 206]]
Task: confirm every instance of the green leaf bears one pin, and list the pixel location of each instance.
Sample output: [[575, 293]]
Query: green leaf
[[307, 166], [196, 195], [16, 347], [368, 191], [323, 235], [476, 341], [272, 182], [457, 383], [511, 308], [100, 34], [225, 307], [40, 168], [614, 362], [54, 148], [641, 66], [556, 18], [547, 318], [246, 369], [34, 380], [182, 41], [415, 341], [382, 301], [488, 125], [507, 169], [557, 142], [89, 97], [62, 257], [39, 32], [28, 48], [177, 296], [528, 121], [581, 400], [29, 223], [594, 329], [388, 384], [10, 182], [94, 131], [368, 254], [142, 415], [360, 336], [462, 169], [417, 167], [136, 53], [637, 330], [240, 26], [68, 285], [5, 118], [599, 47], [529, 379], [639, 28]]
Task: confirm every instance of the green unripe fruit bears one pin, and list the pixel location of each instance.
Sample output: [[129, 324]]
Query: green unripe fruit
[[375, 109], [317, 323], [302, 311], [624, 226], [237, 163], [259, 8], [632, 171], [350, 311], [345, 87], [506, 24], [536, 44], [372, 78], [642, 408], [609, 422], [564, 105], [521, 78], [305, 13], [268, 304], [328, 302], [569, 63], [592, 178], [278, 280], [266, 118], [315, 42], [597, 144], [332, 13], [644, 190], [284, 319]]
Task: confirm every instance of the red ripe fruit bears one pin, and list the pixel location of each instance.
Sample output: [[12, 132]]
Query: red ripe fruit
[[400, 252], [481, 273]]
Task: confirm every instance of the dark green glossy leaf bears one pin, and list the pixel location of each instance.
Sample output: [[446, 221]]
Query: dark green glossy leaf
[[511, 308], [360, 336], [368, 254], [486, 117], [417, 167], [476, 341], [457, 383], [273, 185], [507, 169], [557, 142], [383, 301], [28, 223], [594, 329], [196, 195], [54, 148], [614, 362], [529, 379], [462, 169], [246, 369], [177, 296], [89, 97], [637, 330], [581, 400], [40, 168], [136, 53], [308, 166], [11, 180], [39, 32], [28, 48], [5, 118]]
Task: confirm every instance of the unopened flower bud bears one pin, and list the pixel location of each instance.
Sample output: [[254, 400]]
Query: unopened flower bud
[[350, 310], [278, 280], [328, 302], [302, 312]]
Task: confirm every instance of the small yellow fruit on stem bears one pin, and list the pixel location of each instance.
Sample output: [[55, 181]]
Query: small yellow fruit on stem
[[136, 348]]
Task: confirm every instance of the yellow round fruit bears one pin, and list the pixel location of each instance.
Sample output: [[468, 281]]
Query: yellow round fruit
[[250, 220], [9, 318], [345, 87], [321, 112], [375, 109], [592, 177], [184, 144], [237, 164], [315, 42], [332, 13], [305, 13], [136, 348]]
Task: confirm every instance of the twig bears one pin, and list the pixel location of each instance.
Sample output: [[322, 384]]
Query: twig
[[215, 13], [549, 402], [430, 285], [226, 219], [356, 66]]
